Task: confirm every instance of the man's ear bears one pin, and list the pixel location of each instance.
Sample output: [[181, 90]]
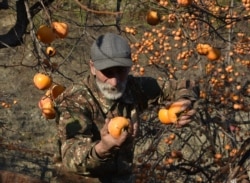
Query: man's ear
[[92, 67]]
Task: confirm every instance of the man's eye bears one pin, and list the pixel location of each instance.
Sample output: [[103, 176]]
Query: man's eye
[[107, 73]]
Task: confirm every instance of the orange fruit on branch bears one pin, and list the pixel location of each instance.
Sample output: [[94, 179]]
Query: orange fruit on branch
[[168, 116], [60, 28], [153, 17], [163, 116], [184, 2], [202, 49], [50, 51], [43, 100], [56, 90], [48, 110], [47, 107], [42, 81], [117, 125], [213, 54], [45, 34]]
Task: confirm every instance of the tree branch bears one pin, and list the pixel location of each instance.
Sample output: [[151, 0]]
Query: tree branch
[[14, 36]]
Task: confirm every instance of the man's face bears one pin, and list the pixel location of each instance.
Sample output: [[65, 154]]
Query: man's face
[[112, 81]]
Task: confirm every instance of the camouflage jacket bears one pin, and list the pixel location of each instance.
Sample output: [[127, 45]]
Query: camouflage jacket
[[81, 114]]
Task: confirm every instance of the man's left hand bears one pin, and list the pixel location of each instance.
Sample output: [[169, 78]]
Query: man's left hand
[[187, 112]]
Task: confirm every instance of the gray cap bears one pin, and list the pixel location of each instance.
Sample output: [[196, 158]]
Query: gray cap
[[111, 50]]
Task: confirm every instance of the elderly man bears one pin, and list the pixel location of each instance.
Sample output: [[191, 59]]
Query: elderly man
[[85, 109]]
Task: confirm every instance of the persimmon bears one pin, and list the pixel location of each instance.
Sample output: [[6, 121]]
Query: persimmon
[[45, 34], [218, 155], [153, 17], [43, 100], [42, 81], [163, 116], [168, 116], [56, 90], [213, 54], [48, 110], [169, 161], [117, 125], [172, 136], [202, 49], [227, 147], [50, 51], [60, 28], [47, 107], [184, 2]]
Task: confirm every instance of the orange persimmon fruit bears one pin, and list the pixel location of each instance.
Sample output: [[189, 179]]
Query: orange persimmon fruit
[[43, 100], [163, 116], [153, 17], [48, 110], [45, 34], [56, 90], [42, 81], [168, 116], [213, 54], [184, 2], [218, 155], [60, 28], [202, 49], [117, 125], [47, 107], [50, 51]]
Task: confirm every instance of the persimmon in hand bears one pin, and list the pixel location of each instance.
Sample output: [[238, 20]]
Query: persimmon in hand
[[168, 116], [117, 125]]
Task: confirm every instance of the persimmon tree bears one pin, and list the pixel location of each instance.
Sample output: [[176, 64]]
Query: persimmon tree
[[208, 41]]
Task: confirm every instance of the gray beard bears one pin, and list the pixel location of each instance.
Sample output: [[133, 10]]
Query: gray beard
[[109, 92]]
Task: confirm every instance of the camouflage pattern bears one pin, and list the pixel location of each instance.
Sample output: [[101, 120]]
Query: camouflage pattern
[[81, 113]]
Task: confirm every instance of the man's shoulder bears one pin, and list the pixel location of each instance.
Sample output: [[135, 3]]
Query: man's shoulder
[[75, 92], [146, 84], [75, 88], [142, 80]]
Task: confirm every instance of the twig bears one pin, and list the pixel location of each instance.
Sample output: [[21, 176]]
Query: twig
[[95, 11]]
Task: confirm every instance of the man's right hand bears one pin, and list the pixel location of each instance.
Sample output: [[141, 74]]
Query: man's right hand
[[108, 143]]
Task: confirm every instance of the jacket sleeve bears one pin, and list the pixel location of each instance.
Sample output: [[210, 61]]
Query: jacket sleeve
[[75, 130], [177, 89], [160, 91]]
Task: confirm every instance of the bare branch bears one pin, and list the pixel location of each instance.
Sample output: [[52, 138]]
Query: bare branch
[[95, 11], [14, 36]]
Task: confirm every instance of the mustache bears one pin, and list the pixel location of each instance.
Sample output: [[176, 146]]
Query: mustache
[[108, 87]]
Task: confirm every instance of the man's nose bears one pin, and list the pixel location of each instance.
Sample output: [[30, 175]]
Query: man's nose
[[114, 81]]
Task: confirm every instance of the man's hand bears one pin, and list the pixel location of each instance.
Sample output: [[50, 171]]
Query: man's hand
[[108, 143], [187, 112]]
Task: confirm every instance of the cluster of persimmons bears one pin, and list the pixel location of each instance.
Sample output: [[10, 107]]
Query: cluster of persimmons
[[184, 47], [187, 41], [47, 34], [42, 80]]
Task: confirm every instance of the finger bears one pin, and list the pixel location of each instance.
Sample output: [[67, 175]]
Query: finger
[[187, 115], [184, 104], [186, 118], [190, 112], [135, 129], [121, 139], [183, 122], [104, 129]]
